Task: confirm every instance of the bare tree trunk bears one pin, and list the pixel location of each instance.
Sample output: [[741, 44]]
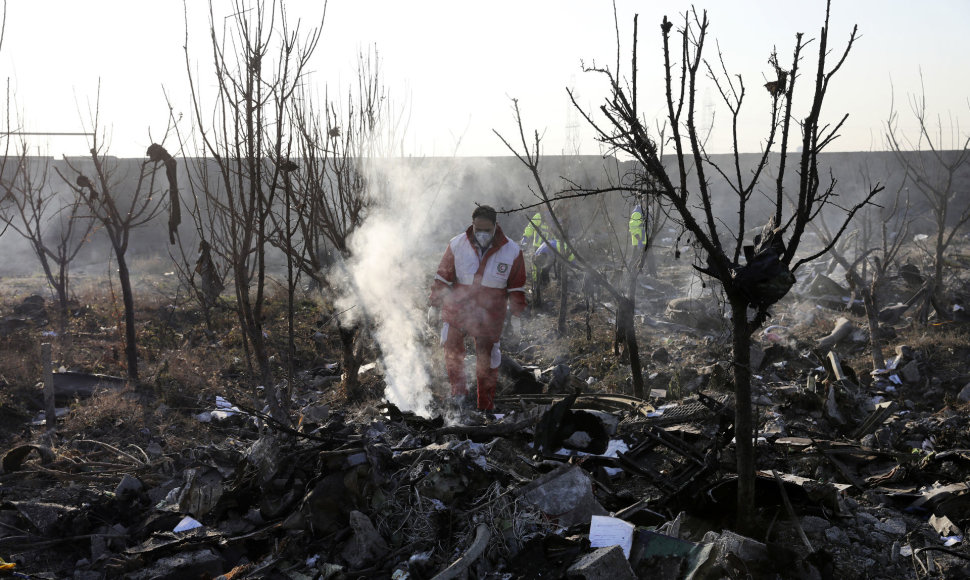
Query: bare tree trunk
[[350, 360], [690, 200], [62, 307], [124, 278], [934, 168], [61, 298], [138, 208], [631, 337], [875, 343], [290, 324], [536, 282], [291, 279], [937, 294], [626, 332], [250, 314], [563, 291], [743, 416]]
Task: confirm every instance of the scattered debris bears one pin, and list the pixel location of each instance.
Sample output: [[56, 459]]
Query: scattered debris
[[843, 330], [859, 475]]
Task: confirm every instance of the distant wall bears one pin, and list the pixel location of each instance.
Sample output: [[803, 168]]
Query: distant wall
[[450, 188]]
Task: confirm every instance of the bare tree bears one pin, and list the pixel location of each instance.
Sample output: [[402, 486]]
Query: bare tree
[[341, 149], [119, 208], [201, 271], [36, 212], [286, 238], [751, 288], [868, 253], [260, 60], [935, 159], [55, 234], [529, 154]]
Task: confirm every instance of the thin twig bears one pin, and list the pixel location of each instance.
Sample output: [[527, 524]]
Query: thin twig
[[115, 449], [791, 511]]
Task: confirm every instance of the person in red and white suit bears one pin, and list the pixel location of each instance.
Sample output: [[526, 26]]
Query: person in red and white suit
[[481, 274]]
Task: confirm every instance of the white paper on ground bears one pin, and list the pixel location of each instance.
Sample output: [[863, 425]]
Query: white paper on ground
[[606, 531], [951, 540], [187, 523]]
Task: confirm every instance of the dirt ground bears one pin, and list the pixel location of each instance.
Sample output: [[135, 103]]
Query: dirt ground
[[857, 469]]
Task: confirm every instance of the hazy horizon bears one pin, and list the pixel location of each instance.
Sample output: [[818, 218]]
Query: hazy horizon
[[452, 69]]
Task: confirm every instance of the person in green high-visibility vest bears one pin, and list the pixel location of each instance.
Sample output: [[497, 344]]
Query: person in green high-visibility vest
[[539, 232], [638, 228], [638, 237], [535, 231]]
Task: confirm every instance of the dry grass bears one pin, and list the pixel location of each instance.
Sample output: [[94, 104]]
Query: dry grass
[[20, 364], [183, 364], [104, 412], [945, 348]]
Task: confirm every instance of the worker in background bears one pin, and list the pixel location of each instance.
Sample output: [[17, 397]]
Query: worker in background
[[638, 237], [480, 276], [548, 261], [536, 231], [638, 228]]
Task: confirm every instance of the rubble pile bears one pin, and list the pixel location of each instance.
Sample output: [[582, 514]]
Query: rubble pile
[[577, 486]]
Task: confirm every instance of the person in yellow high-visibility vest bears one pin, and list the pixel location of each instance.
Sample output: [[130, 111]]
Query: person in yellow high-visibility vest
[[536, 230], [638, 228]]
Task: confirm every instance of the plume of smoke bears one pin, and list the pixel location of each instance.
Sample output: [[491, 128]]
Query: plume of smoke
[[393, 256], [387, 282], [420, 205]]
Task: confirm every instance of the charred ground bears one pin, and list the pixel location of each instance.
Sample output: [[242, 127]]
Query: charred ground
[[354, 488]]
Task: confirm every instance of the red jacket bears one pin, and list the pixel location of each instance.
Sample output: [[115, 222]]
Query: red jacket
[[473, 291]]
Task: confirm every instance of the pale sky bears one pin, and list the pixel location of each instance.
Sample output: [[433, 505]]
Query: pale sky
[[455, 65]]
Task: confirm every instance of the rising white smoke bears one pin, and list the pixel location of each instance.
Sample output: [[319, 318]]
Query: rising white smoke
[[389, 285], [394, 255]]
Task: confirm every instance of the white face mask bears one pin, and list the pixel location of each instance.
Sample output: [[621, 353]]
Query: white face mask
[[484, 238]]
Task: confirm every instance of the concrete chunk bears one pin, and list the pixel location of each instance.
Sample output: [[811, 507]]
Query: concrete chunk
[[910, 372], [944, 526], [896, 527], [365, 545], [564, 494], [728, 542], [964, 393], [814, 525]]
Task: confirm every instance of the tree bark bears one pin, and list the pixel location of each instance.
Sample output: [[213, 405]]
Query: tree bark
[[563, 290], [351, 360], [743, 416], [58, 283], [131, 349], [62, 308], [875, 344], [626, 331], [936, 298]]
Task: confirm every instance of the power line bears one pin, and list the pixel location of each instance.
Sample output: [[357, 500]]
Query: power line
[[8, 133]]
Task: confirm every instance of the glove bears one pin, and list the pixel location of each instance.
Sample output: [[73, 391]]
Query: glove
[[516, 325], [434, 316]]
